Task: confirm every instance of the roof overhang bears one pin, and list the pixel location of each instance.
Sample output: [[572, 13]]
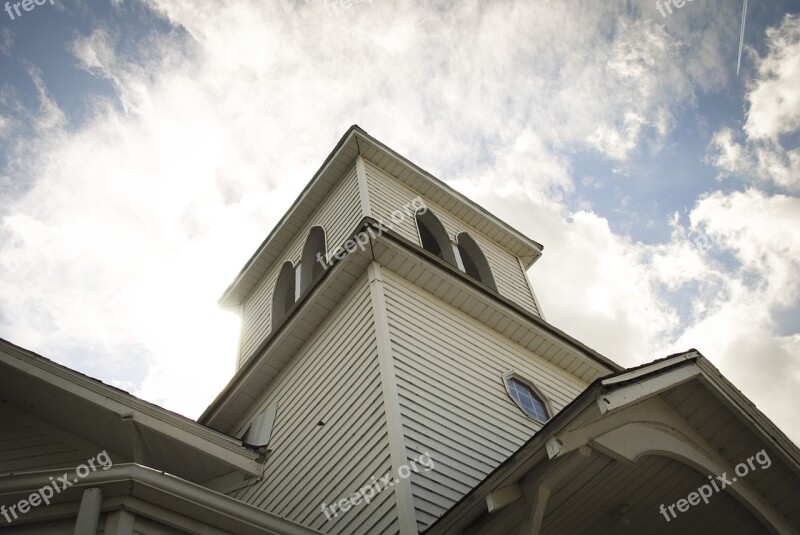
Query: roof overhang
[[117, 421], [655, 400], [149, 493], [354, 142]]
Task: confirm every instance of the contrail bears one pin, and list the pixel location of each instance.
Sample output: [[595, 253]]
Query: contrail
[[741, 37]]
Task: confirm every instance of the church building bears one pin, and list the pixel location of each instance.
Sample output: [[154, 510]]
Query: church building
[[396, 375]]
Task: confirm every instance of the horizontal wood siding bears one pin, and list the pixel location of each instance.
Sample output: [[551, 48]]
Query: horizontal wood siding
[[338, 216], [453, 400], [334, 379], [26, 446], [388, 196], [50, 527]]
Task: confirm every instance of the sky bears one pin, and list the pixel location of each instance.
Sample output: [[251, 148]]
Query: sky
[[147, 147]]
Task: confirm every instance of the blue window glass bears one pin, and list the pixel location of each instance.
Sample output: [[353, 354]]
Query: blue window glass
[[527, 399]]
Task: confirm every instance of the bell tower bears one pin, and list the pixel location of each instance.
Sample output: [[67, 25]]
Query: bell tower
[[392, 350]]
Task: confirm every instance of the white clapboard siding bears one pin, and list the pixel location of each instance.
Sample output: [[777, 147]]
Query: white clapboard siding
[[338, 216], [388, 196], [26, 445], [333, 379], [453, 400]]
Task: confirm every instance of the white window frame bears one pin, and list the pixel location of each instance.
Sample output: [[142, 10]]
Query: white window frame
[[457, 253], [511, 374], [297, 281]]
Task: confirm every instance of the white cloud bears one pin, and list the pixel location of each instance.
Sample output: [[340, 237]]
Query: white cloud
[[759, 151], [735, 307], [598, 286], [50, 115], [6, 41], [775, 98], [95, 52], [736, 280]]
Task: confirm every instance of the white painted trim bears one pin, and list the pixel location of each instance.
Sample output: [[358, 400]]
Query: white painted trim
[[230, 482], [554, 447], [120, 523], [649, 369], [363, 187], [539, 483], [459, 261], [631, 394], [530, 287], [146, 513], [497, 499], [754, 419], [548, 406], [536, 509], [680, 442], [147, 484], [134, 435], [183, 430], [391, 401], [260, 431], [89, 511], [298, 279], [416, 225], [239, 311]]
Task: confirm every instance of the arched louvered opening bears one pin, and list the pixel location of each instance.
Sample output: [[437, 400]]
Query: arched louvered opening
[[434, 236], [474, 261], [313, 262], [283, 295]]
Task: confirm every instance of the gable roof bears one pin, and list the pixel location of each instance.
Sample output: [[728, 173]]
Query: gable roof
[[675, 378], [354, 142], [114, 419]]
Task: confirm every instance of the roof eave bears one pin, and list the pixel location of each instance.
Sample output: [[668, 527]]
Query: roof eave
[[758, 422], [168, 492], [182, 430]]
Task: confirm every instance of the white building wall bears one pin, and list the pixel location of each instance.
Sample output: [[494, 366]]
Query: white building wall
[[453, 400], [334, 379]]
